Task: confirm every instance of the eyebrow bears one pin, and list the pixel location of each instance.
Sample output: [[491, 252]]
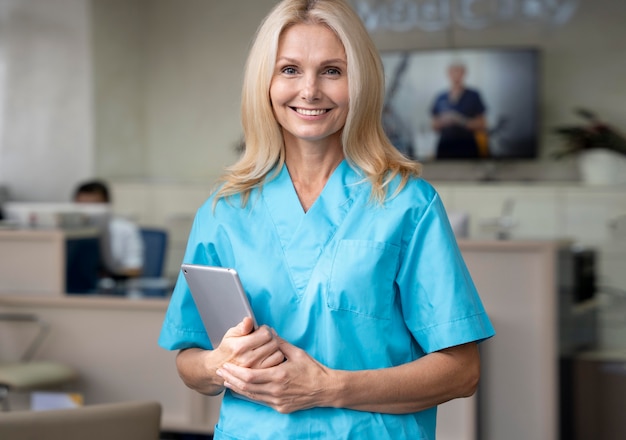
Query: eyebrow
[[325, 62]]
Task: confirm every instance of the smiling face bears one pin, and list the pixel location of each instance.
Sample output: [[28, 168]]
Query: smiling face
[[309, 88]]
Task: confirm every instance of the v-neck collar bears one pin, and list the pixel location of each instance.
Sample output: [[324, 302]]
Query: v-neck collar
[[303, 236]]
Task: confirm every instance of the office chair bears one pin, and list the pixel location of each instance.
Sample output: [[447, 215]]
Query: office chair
[[27, 374], [140, 420], [155, 249]]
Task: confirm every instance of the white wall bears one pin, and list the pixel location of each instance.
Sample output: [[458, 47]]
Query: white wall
[[166, 79], [45, 97], [174, 92], [120, 51]]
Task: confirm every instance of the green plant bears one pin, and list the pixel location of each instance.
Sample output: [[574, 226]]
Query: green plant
[[595, 134]]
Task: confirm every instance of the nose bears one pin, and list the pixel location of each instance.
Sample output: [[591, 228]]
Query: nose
[[310, 89]]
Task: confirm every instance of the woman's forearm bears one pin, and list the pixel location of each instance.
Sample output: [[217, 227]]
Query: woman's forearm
[[196, 367], [429, 381]]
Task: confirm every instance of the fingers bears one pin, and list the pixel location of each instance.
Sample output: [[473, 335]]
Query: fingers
[[287, 349], [258, 349], [244, 380], [271, 386], [274, 358]]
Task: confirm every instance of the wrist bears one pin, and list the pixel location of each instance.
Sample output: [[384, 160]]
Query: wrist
[[337, 389], [197, 368]]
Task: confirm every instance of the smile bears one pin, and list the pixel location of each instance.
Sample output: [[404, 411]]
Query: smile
[[307, 112]]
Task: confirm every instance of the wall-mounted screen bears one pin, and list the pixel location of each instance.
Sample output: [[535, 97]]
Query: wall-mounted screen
[[463, 104]]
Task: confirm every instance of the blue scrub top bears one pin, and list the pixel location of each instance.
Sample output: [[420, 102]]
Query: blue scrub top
[[356, 284]]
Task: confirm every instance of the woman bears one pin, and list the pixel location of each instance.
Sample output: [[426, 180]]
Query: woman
[[370, 316], [459, 118]]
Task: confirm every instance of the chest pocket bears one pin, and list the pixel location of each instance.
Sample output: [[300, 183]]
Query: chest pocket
[[362, 278]]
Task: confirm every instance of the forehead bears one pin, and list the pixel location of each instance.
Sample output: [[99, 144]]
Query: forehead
[[89, 197], [307, 38]]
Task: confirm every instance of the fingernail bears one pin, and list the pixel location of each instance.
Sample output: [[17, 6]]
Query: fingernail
[[219, 372]]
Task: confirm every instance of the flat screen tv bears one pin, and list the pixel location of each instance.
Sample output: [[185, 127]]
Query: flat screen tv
[[491, 112]]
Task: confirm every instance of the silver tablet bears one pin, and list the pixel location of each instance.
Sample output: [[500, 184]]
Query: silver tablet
[[219, 297]]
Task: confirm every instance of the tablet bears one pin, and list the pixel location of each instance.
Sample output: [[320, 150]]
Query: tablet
[[219, 297]]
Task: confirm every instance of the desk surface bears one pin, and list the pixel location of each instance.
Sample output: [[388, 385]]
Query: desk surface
[[42, 233], [85, 302]]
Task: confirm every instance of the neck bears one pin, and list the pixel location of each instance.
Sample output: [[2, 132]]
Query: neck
[[311, 161], [310, 169]]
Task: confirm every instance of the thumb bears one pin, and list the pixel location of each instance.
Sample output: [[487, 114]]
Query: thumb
[[243, 328], [246, 326]]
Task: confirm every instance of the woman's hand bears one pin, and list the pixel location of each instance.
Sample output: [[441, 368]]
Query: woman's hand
[[300, 382], [240, 346], [247, 348]]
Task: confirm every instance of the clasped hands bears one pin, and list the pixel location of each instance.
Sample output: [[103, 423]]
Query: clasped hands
[[453, 118], [265, 368]]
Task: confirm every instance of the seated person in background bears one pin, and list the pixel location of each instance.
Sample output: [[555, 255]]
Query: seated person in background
[[122, 245]]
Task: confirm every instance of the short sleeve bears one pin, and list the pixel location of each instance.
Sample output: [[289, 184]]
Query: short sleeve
[[182, 326], [440, 303]]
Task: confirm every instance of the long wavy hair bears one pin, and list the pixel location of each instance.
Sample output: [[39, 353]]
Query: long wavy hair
[[365, 145]]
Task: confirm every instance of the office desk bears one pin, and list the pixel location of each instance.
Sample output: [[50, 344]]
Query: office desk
[[33, 261]]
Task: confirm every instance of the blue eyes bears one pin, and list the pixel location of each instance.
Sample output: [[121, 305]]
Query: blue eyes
[[330, 71], [289, 70]]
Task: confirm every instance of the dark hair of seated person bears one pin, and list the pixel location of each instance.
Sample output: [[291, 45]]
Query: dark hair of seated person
[[93, 187]]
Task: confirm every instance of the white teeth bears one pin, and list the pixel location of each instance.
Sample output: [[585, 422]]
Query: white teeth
[[306, 112]]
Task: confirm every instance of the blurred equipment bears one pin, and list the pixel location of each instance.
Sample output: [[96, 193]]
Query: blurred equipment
[[46, 215], [28, 374], [578, 329], [460, 223], [155, 249]]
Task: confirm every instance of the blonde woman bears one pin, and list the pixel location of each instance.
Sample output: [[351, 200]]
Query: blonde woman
[[369, 315]]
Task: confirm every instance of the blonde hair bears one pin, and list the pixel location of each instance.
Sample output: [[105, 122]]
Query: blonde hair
[[365, 144]]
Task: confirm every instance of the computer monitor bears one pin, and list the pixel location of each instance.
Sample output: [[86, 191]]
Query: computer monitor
[[502, 85], [55, 215]]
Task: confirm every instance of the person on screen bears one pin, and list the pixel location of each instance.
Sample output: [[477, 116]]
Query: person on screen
[[458, 115], [369, 317], [122, 244]]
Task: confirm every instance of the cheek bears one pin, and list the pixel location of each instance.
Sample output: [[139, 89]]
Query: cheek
[[342, 95], [278, 93], [344, 104]]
